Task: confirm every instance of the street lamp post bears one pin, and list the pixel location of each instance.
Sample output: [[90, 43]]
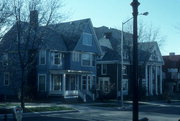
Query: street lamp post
[[122, 63], [135, 5]]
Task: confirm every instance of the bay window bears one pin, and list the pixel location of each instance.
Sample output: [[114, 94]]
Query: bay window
[[87, 59]]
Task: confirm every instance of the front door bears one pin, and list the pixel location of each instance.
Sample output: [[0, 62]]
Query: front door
[[71, 82]]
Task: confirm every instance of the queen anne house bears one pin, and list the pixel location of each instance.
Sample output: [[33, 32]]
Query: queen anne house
[[109, 69], [65, 61]]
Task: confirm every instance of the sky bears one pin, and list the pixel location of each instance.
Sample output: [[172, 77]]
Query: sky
[[163, 15]]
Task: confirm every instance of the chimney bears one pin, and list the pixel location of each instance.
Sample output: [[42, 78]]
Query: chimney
[[34, 19], [172, 53]]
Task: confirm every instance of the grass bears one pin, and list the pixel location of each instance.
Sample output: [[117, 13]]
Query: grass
[[7, 105], [36, 109], [42, 109]]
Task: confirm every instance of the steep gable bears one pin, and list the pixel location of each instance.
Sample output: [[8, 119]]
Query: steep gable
[[153, 53], [70, 31]]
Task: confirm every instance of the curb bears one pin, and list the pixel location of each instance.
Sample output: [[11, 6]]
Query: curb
[[39, 113]]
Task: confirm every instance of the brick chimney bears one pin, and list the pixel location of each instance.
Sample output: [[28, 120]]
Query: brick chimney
[[34, 19]]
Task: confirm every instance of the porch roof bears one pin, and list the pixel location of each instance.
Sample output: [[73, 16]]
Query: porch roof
[[70, 72]]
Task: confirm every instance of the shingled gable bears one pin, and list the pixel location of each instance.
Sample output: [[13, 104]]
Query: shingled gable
[[71, 31]]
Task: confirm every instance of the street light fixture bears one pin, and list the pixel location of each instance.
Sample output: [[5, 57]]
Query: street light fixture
[[122, 63]]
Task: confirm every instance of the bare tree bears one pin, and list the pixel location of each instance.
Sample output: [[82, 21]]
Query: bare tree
[[5, 15], [29, 38], [146, 34]]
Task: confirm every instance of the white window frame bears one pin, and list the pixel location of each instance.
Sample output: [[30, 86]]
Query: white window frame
[[125, 86], [102, 68], [103, 80], [75, 56], [82, 84], [41, 56], [87, 42], [8, 80], [53, 54], [90, 59], [45, 82], [125, 71]]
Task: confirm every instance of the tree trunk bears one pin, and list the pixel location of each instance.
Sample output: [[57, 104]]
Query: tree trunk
[[22, 88]]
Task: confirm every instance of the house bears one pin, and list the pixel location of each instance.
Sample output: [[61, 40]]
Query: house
[[171, 70], [65, 61], [109, 64]]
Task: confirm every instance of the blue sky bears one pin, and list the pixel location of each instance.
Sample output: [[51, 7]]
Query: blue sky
[[163, 14]]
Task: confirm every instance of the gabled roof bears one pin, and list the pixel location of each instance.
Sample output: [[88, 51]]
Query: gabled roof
[[144, 48], [49, 38], [71, 31]]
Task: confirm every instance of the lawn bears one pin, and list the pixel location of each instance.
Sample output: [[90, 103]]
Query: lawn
[[42, 109]]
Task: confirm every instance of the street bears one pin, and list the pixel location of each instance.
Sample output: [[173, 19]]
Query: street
[[90, 113]]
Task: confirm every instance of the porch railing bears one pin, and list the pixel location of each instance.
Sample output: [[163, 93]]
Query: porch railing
[[70, 94]]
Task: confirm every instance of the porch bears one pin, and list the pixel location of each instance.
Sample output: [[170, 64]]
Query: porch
[[71, 85]]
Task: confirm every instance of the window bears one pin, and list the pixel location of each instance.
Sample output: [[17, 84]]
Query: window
[[86, 60], [42, 82], [42, 57], [104, 69], [84, 78], [6, 79], [57, 82], [5, 59], [56, 58], [75, 56], [125, 86], [93, 60], [104, 84], [87, 39], [124, 70]]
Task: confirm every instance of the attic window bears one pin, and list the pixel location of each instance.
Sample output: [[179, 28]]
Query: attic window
[[87, 39]]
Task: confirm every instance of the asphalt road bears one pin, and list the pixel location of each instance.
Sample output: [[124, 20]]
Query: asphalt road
[[90, 113]]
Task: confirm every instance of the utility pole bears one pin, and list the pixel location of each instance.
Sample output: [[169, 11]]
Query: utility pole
[[135, 5]]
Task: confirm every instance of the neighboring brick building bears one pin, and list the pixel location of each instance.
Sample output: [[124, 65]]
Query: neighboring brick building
[[171, 71]]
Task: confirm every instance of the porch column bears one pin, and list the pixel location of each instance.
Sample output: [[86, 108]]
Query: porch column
[[50, 83], [150, 81], [146, 77], [64, 84], [77, 80], [160, 69], [156, 81]]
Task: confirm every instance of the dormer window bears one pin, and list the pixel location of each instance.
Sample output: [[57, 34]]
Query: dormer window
[[87, 39]]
